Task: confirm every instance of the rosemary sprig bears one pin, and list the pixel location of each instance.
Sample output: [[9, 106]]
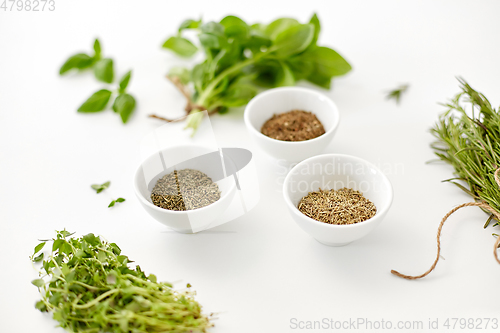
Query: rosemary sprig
[[468, 138]]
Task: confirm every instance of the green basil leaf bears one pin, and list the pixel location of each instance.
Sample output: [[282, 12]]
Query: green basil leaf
[[97, 49], [257, 42], [300, 67], [320, 79], [294, 40], [124, 82], [317, 28], [97, 102], [124, 105], [213, 28], [327, 61], [211, 41], [103, 70], [235, 27], [78, 61], [278, 26], [238, 95], [180, 46], [182, 73], [285, 76], [38, 282], [189, 24]]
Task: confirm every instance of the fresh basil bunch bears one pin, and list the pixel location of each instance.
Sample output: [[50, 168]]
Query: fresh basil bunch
[[240, 58]]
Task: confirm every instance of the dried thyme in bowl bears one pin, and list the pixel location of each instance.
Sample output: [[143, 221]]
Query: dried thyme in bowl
[[343, 206], [185, 189]]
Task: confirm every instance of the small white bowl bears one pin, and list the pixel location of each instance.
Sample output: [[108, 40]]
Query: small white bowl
[[335, 171], [279, 100], [183, 157]]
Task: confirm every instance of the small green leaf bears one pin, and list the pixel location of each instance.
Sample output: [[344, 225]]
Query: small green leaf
[[124, 82], [317, 28], [38, 258], [112, 203], [78, 61], [235, 27], [210, 41], [182, 73], [57, 244], [294, 40], [285, 76], [38, 282], [213, 28], [327, 61], [39, 247], [40, 305], [152, 278], [278, 26], [189, 24], [101, 187], [124, 105], [97, 49], [70, 276], [97, 102], [120, 200], [180, 46], [103, 70]]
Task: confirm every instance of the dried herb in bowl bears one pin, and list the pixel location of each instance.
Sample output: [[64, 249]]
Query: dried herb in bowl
[[185, 190], [295, 125], [86, 284], [343, 206]]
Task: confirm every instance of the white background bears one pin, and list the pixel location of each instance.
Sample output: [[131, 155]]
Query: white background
[[260, 270]]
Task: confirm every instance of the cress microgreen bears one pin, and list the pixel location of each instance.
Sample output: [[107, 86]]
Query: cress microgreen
[[241, 58], [87, 285]]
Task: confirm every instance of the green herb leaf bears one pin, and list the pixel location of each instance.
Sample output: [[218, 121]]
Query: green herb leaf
[[235, 27], [396, 93], [39, 247], [278, 26], [294, 40], [38, 282], [180, 46], [182, 73], [124, 82], [327, 62], [103, 70], [78, 61], [97, 102], [97, 49], [38, 258], [112, 203], [100, 187], [124, 105], [213, 28], [120, 200], [317, 28], [189, 24]]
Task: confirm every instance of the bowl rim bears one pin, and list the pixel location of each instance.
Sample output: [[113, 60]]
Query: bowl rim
[[138, 194], [378, 214], [249, 125]]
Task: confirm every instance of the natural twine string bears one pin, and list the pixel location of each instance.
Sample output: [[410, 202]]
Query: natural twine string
[[482, 205]]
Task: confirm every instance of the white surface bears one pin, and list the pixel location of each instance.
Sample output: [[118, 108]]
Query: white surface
[[334, 172], [278, 100], [260, 270]]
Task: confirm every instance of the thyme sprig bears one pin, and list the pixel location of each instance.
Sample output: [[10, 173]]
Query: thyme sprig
[[88, 287]]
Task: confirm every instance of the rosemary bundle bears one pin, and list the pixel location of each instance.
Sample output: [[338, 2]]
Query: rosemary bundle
[[468, 138], [470, 142], [88, 287]]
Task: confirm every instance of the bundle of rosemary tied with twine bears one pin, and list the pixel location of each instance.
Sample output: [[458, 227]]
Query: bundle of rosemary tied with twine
[[470, 142]]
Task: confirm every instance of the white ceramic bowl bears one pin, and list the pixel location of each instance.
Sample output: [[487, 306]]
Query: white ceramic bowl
[[279, 100], [335, 171], [183, 157]]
